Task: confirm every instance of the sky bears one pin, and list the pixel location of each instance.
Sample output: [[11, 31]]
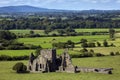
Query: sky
[[66, 4]]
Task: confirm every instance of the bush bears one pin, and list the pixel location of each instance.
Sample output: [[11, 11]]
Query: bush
[[5, 58], [98, 44], [84, 45], [86, 54], [20, 67], [1, 48], [83, 50], [117, 53], [99, 55], [83, 40], [9, 58], [112, 54], [105, 43], [91, 51], [91, 45], [112, 45]]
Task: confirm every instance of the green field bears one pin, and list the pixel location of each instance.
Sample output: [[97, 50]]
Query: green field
[[6, 72], [46, 42], [94, 30], [16, 52], [27, 31]]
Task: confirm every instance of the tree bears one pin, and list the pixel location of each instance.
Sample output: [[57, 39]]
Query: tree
[[20, 67], [98, 44], [91, 44], [84, 45], [112, 33], [6, 35], [70, 44], [105, 43], [31, 32], [83, 40]]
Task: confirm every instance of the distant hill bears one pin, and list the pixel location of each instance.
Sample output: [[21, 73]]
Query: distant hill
[[24, 8]]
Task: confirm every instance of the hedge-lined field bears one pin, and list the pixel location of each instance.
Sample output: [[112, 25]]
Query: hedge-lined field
[[27, 31], [6, 72], [94, 30], [16, 52], [46, 42]]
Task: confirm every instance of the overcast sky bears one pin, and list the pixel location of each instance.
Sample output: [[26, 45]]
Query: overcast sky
[[66, 4]]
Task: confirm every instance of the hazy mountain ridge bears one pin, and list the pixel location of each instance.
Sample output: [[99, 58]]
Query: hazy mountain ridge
[[24, 8]]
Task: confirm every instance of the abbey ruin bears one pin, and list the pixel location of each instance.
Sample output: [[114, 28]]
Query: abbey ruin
[[48, 61]]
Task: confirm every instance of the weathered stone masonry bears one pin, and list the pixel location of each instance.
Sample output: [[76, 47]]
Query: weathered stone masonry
[[47, 61]]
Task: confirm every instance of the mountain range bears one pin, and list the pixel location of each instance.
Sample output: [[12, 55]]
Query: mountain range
[[24, 8]]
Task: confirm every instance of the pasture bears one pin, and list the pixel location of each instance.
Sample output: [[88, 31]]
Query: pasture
[[6, 72], [94, 30], [46, 42], [27, 31], [16, 52]]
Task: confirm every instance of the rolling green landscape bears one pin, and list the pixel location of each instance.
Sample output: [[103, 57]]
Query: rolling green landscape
[[92, 39]]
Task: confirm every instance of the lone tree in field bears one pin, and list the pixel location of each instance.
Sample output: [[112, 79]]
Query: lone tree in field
[[20, 67], [112, 33], [105, 43], [32, 32]]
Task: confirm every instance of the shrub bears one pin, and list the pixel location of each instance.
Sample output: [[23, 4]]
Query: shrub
[[20, 67], [91, 45], [83, 50], [86, 54], [112, 54], [99, 54], [117, 53], [1, 48], [112, 45], [98, 44], [105, 43], [5, 58], [83, 40], [84, 45], [9, 58], [91, 51]]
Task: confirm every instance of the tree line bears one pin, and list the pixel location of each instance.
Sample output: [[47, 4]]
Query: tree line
[[49, 24]]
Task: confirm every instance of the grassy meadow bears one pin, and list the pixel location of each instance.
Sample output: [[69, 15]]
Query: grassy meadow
[[46, 42], [6, 72], [27, 31]]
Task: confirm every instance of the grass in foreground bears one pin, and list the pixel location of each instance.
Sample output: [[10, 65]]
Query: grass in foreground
[[6, 72]]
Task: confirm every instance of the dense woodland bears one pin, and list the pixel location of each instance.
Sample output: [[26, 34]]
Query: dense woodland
[[63, 20]]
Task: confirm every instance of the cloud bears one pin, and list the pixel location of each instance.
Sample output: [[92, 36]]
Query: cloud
[[45, 2], [97, 1], [63, 4]]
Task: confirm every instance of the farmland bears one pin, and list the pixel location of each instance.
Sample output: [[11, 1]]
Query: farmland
[[7, 73], [41, 32], [91, 37], [45, 42]]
